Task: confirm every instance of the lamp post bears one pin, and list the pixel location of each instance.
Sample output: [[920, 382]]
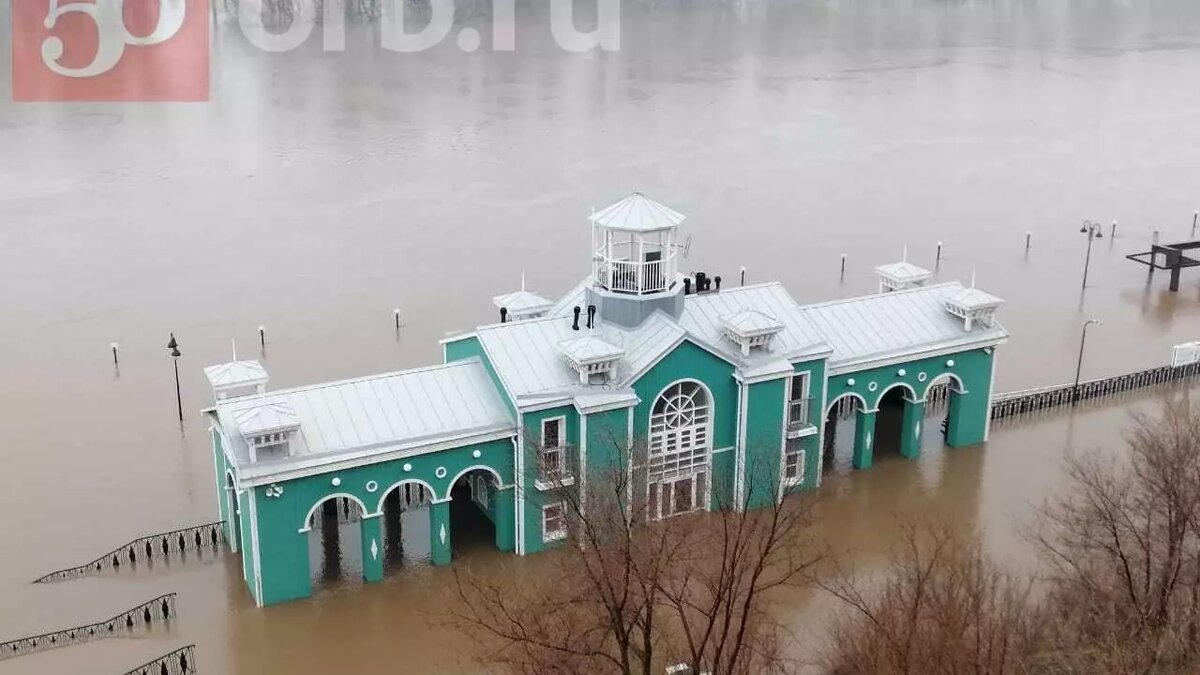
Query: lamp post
[[1093, 232], [173, 345], [1079, 364]]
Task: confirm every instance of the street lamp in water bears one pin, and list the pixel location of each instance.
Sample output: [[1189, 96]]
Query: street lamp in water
[[1093, 232], [173, 345], [1079, 364]]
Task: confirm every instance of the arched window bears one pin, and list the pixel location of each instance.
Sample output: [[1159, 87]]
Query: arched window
[[679, 449]]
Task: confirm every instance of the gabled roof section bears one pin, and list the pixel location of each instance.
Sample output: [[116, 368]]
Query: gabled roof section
[[910, 322], [638, 213], [392, 412], [522, 303], [590, 349], [904, 272], [704, 316], [235, 373], [752, 323], [973, 299], [265, 418]]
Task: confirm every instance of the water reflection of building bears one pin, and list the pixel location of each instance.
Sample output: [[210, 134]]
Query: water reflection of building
[[693, 390]]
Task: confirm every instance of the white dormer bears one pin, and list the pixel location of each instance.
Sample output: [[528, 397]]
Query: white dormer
[[634, 246], [237, 378], [901, 275], [973, 306], [268, 429], [751, 328], [522, 304], [590, 356]]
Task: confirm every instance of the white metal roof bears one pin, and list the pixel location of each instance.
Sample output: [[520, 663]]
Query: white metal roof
[[704, 317], [973, 298], [522, 302], [528, 357], [266, 417], [590, 349], [752, 322], [638, 213], [576, 297], [378, 414], [907, 322], [235, 373], [904, 272]]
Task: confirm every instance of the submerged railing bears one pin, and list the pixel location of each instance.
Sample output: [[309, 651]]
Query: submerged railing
[[145, 615], [182, 661], [1042, 398], [156, 546]]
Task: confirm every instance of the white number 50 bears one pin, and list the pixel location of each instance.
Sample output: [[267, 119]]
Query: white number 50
[[113, 35]]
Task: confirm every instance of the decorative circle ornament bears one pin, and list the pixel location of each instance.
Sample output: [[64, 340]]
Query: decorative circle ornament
[[440, 472], [336, 481], [477, 454], [372, 486], [921, 377], [407, 466], [950, 363], [872, 386], [902, 372], [850, 382]]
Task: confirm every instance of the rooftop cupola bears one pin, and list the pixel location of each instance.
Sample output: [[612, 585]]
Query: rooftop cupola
[[973, 306], [634, 246], [591, 357], [901, 275], [751, 328], [268, 429], [521, 305], [236, 378]]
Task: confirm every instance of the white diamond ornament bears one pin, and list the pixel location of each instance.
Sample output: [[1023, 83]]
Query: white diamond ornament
[[442, 534], [374, 549]]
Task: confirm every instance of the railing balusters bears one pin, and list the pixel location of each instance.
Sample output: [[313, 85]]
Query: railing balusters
[[162, 545], [144, 616]]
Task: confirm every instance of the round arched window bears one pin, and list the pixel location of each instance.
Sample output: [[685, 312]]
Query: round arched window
[[679, 439]]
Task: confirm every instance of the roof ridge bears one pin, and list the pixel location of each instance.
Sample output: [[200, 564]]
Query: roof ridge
[[868, 296], [362, 378]]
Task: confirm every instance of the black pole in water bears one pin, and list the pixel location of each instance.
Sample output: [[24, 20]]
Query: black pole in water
[[116, 362], [843, 265], [173, 345], [743, 275], [1092, 230], [939, 253], [1195, 214], [1079, 364], [262, 337], [396, 313]]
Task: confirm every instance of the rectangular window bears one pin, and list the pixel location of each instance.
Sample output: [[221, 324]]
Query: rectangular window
[[793, 463], [554, 522], [552, 433], [799, 386]]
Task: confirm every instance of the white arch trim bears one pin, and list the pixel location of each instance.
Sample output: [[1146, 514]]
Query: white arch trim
[[905, 385], [852, 394], [956, 381], [469, 469], [306, 527], [384, 493], [709, 432]]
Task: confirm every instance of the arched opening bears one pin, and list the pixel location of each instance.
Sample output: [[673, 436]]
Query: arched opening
[[840, 431], [335, 541], [941, 396], [679, 450], [893, 423], [405, 508], [234, 530], [473, 506]]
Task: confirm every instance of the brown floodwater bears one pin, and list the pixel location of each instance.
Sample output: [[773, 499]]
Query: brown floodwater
[[316, 192]]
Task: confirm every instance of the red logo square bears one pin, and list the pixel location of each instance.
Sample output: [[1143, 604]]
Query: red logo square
[[110, 50]]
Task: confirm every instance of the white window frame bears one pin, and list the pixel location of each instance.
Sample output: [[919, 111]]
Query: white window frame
[[680, 453], [801, 455], [549, 535], [547, 479]]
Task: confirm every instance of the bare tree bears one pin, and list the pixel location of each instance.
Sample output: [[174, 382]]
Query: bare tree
[[1123, 547], [941, 607], [628, 594]]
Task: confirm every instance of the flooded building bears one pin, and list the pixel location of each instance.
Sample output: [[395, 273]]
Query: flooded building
[[698, 392]]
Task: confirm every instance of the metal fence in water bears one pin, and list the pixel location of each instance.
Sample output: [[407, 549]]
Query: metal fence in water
[[182, 661], [1043, 398], [141, 618], [162, 546]]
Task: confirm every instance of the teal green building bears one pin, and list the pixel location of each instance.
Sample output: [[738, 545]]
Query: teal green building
[[701, 393]]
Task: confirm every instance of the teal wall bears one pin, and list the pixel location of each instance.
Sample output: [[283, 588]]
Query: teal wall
[[973, 367], [535, 499], [688, 361], [247, 545], [220, 470], [607, 454], [816, 414], [283, 549], [469, 347], [764, 441]]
